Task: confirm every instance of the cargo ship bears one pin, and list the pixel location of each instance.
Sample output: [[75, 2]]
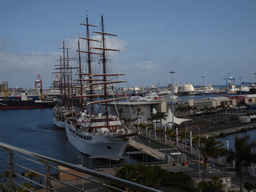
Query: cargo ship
[[24, 102]]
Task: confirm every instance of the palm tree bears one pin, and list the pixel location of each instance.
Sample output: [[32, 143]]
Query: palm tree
[[24, 187], [215, 184], [160, 116], [138, 113], [129, 121], [181, 109], [193, 108], [5, 186], [243, 155], [120, 113], [32, 175], [205, 109], [211, 148]]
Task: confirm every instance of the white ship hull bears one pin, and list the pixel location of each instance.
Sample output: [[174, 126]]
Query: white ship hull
[[60, 124], [96, 144]]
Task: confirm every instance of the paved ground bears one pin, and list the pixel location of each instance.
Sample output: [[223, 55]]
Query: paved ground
[[194, 165]]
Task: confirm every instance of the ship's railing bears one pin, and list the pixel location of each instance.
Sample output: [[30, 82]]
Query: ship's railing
[[24, 170]]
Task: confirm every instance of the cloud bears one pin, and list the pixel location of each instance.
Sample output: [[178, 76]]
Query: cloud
[[147, 65], [14, 62]]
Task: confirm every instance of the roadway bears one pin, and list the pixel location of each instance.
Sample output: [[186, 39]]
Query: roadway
[[192, 163]]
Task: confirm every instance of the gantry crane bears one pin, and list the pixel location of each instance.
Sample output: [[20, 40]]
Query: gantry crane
[[39, 81]]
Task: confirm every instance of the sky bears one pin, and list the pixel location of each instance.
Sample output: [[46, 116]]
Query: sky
[[193, 38]]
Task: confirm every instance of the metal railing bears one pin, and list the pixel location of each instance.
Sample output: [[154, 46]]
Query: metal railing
[[14, 161]]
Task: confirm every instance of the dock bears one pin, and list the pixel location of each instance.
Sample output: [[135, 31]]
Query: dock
[[150, 151], [229, 131]]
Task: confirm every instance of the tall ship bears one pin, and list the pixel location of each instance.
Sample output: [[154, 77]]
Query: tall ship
[[92, 133], [63, 106]]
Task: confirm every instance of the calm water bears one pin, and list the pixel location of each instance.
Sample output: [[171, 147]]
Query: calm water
[[231, 138], [33, 130], [199, 97]]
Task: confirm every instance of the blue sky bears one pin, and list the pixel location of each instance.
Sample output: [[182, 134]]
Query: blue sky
[[194, 38]]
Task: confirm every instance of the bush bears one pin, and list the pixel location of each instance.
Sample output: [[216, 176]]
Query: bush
[[215, 184], [202, 187], [249, 186], [154, 176]]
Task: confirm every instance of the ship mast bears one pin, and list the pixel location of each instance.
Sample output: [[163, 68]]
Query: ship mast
[[63, 67], [105, 82], [88, 62], [92, 80]]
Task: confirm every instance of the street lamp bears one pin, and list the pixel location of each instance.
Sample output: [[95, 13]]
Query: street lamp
[[82, 173], [203, 85], [199, 171], [172, 72], [165, 140], [240, 85]]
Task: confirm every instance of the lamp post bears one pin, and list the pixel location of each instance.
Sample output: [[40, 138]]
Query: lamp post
[[240, 85], [82, 173], [227, 145], [165, 140], [203, 84], [199, 171], [172, 72]]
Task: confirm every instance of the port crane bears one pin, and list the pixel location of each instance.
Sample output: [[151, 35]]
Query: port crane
[[56, 83], [40, 87], [229, 79]]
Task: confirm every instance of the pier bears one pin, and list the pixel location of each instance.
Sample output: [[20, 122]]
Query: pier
[[150, 151]]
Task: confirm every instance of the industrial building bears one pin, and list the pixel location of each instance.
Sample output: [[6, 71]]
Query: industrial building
[[130, 108], [4, 86]]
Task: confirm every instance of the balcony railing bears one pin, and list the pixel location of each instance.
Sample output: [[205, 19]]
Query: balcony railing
[[19, 166]]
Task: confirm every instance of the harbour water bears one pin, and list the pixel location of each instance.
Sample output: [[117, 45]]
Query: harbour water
[[33, 130], [231, 138]]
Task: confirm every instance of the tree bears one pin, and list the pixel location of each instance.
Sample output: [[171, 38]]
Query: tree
[[181, 109], [153, 176], [249, 186], [215, 184], [24, 187], [138, 113], [120, 112], [194, 108], [243, 156], [183, 135], [205, 109], [147, 175], [213, 149], [6, 186], [32, 175], [160, 116], [129, 121]]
